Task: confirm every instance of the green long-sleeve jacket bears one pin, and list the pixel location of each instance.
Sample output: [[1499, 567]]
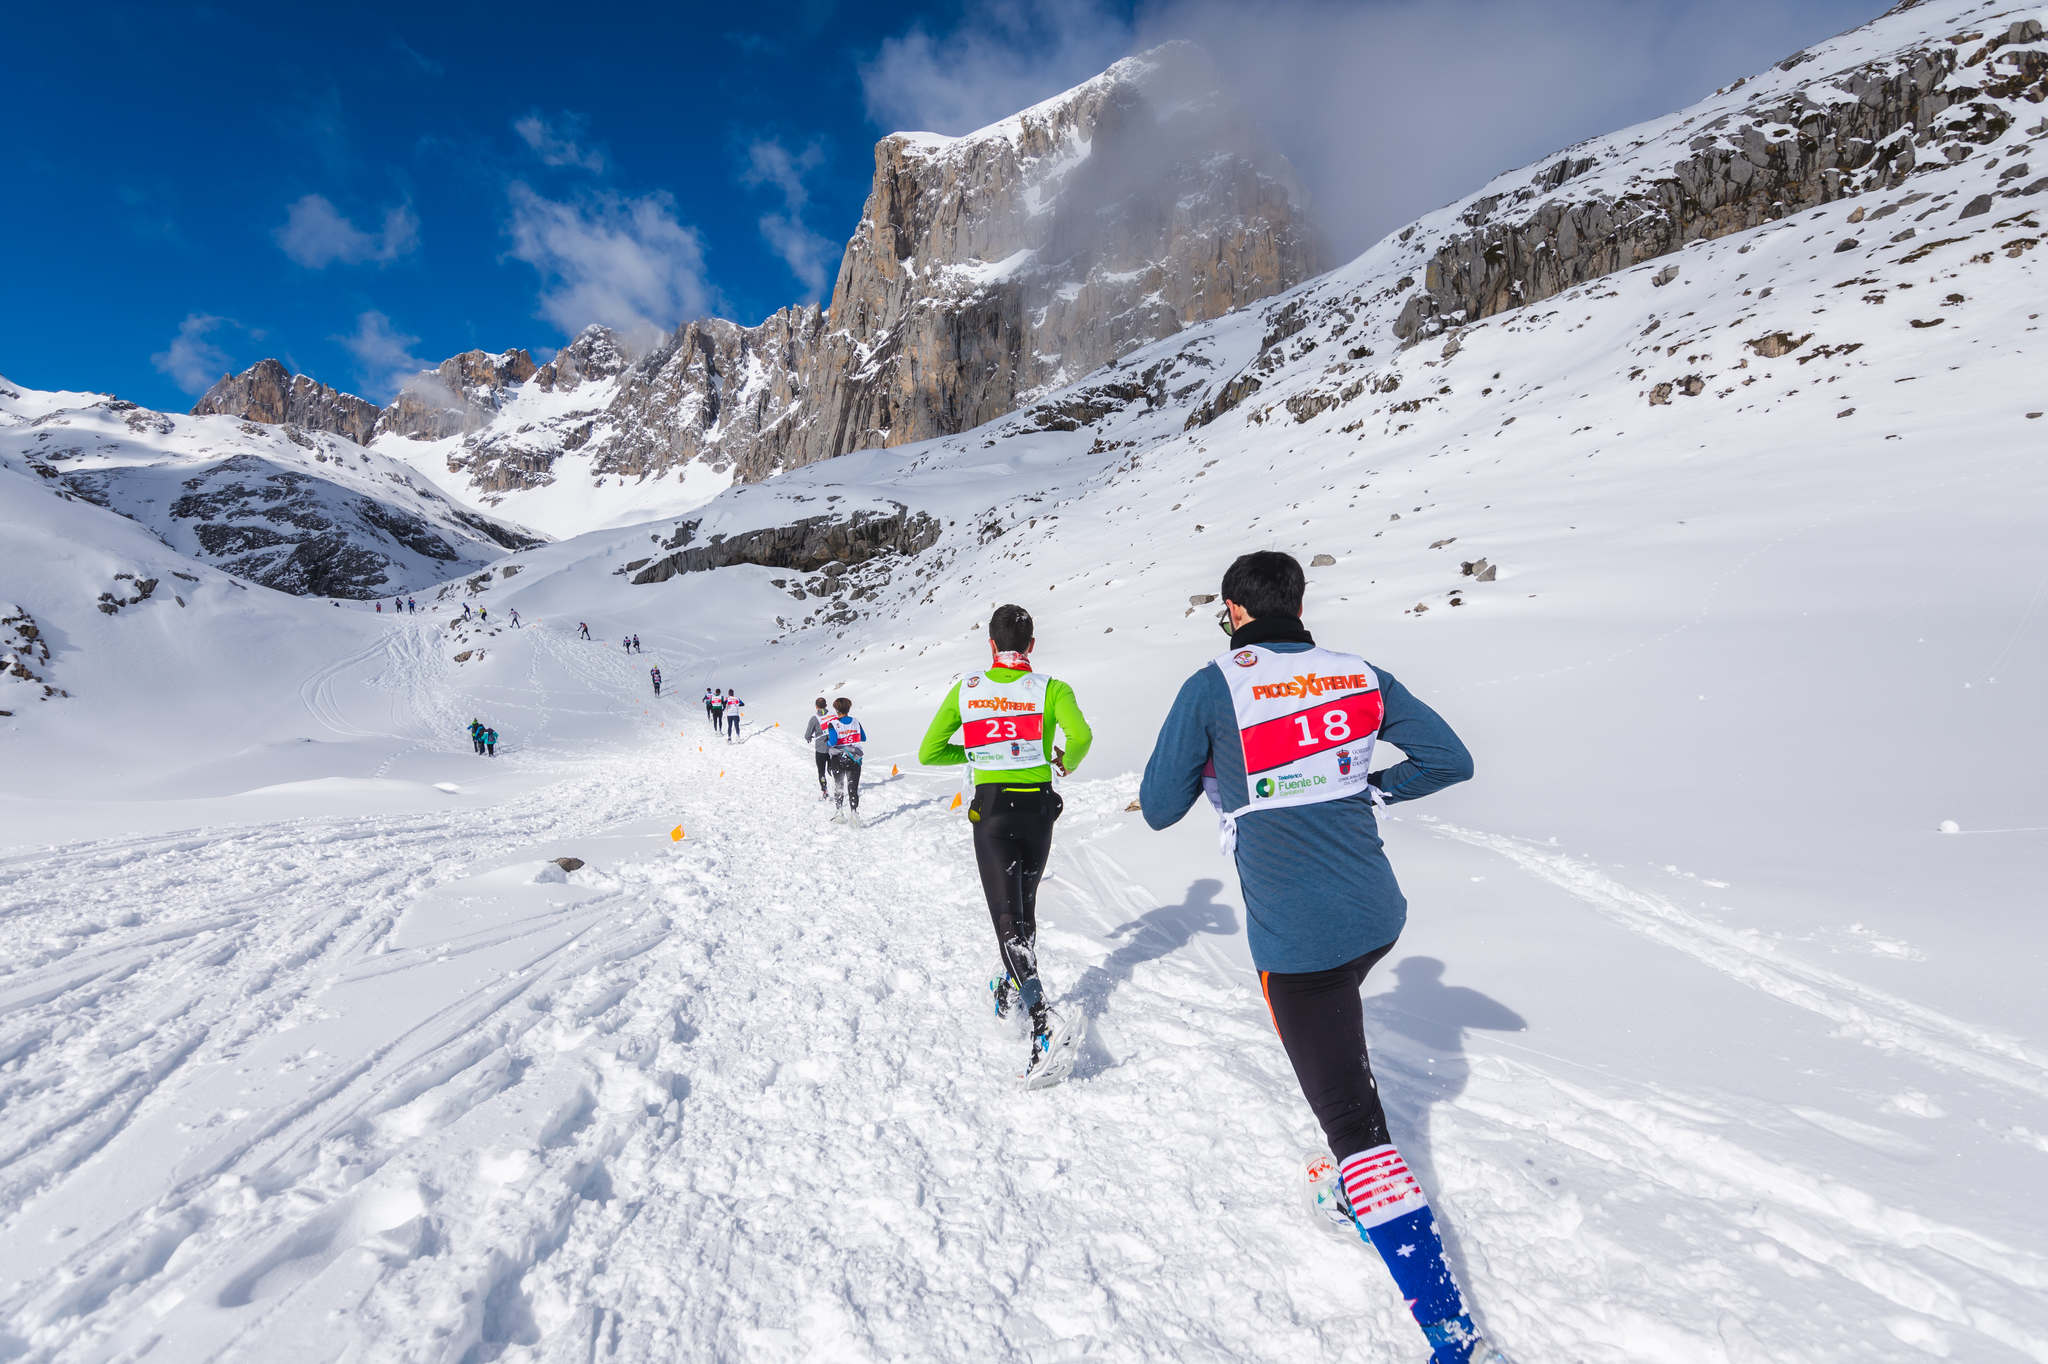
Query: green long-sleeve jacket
[[1062, 715]]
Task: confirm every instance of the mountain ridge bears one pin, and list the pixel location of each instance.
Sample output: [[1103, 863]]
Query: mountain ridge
[[985, 270]]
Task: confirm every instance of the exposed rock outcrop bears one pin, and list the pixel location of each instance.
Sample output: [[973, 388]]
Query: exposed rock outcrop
[[1787, 150], [991, 268], [458, 396], [268, 392], [24, 661], [594, 354], [807, 546]]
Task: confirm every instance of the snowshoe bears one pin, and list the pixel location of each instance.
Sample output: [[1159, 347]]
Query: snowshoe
[[1054, 1050]]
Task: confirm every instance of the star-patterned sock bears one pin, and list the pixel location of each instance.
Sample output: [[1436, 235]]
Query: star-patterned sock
[[1394, 1215]]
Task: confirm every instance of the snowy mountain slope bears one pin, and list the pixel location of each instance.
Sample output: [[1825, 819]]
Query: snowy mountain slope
[[1709, 1044], [117, 652], [303, 512]]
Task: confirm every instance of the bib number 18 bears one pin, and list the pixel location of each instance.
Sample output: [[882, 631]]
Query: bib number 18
[[1332, 723], [1336, 726]]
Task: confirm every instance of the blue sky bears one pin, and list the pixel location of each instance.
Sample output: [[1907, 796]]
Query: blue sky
[[362, 190]]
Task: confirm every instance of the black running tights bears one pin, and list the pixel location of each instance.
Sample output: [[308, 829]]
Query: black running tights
[[1012, 839], [846, 777], [1321, 1022]]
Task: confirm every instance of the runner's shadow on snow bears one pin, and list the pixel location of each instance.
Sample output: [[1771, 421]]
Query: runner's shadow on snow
[[1416, 1032], [902, 810], [1156, 933]]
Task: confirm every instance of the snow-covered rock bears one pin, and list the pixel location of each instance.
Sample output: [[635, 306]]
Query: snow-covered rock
[[305, 512]]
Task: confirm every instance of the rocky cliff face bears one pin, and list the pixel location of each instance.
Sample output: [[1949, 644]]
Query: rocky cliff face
[[460, 395], [1752, 160], [986, 270], [991, 268], [268, 392]]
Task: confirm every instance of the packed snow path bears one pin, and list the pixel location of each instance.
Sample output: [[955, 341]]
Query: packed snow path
[[389, 1086]]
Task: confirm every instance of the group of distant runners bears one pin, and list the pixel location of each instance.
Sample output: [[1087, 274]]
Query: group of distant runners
[[484, 738], [725, 710]]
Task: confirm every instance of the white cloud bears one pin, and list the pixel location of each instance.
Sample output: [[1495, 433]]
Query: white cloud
[[625, 262], [384, 359], [559, 143], [316, 235], [808, 254], [192, 361], [1008, 56], [1391, 109]]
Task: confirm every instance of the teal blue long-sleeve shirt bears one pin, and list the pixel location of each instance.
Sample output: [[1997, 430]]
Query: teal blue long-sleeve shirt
[[1318, 889]]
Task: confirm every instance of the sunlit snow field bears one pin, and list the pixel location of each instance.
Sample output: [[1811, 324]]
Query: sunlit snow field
[[1708, 1041]]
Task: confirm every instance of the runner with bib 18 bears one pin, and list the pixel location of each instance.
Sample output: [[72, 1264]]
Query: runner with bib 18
[[1279, 733]]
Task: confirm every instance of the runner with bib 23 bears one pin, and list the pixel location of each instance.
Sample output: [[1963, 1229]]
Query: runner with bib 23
[[1007, 718], [1279, 733]]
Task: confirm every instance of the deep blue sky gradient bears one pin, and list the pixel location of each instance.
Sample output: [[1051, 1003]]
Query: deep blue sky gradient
[[153, 153]]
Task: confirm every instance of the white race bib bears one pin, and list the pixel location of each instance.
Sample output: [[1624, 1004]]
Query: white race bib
[[1306, 722], [1002, 724]]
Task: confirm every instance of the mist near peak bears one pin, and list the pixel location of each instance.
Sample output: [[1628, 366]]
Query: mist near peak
[[1386, 110]]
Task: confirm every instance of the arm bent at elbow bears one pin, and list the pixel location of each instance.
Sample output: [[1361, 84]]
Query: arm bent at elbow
[[937, 749], [1075, 735], [1437, 757], [1173, 775]]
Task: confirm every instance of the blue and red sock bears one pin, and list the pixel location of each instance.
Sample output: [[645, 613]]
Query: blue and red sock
[[1394, 1215]]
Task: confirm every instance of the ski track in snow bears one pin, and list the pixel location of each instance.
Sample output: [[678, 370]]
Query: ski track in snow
[[738, 1097], [1870, 1016]]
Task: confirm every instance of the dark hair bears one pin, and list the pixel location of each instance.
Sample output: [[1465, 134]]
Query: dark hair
[[842, 705], [1266, 583], [819, 703], [1010, 628]]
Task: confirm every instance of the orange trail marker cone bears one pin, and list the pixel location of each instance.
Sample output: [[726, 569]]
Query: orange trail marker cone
[[675, 835], [894, 770], [721, 771], [956, 801]]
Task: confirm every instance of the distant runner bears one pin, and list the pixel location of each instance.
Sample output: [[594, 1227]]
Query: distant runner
[[583, 629], [715, 708], [491, 742], [476, 736], [735, 709], [1007, 717], [655, 673], [843, 738], [1279, 733], [814, 731]]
